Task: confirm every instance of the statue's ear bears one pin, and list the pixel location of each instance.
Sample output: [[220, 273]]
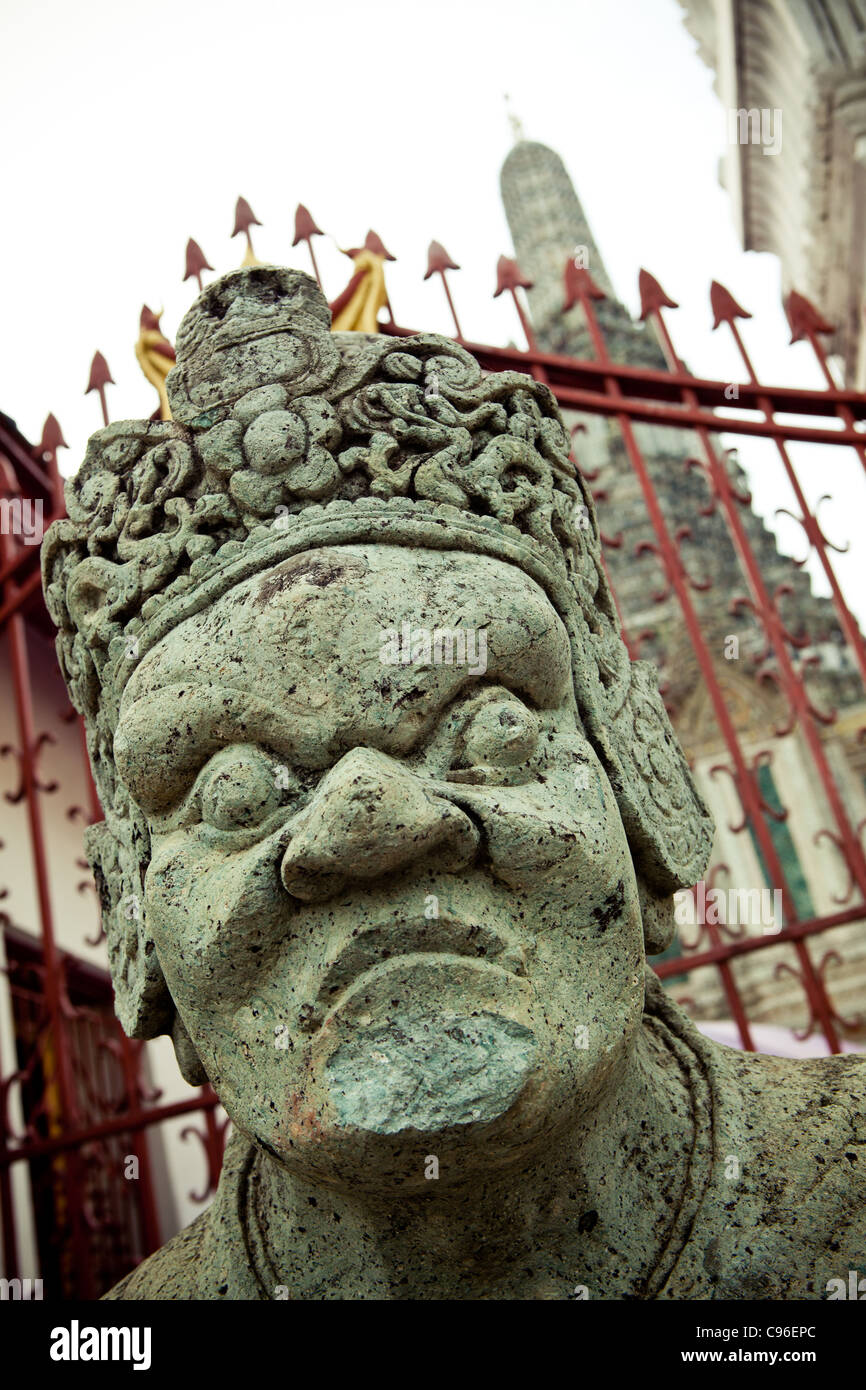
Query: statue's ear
[[117, 852], [659, 923], [668, 825]]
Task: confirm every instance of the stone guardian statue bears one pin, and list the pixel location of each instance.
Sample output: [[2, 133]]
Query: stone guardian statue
[[392, 823]]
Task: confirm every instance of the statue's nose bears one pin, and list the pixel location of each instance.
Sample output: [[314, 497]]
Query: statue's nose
[[372, 816]]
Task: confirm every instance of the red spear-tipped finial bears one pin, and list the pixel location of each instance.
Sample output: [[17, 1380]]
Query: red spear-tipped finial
[[374, 243], [100, 374], [100, 377], [148, 319], [52, 438], [305, 225], [438, 260], [652, 296], [244, 218], [579, 283], [46, 452], [196, 262], [804, 318], [305, 229], [725, 308], [509, 276]]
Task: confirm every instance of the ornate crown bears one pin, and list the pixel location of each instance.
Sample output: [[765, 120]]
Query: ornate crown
[[285, 437]]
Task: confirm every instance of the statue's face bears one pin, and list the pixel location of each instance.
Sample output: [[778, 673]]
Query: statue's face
[[394, 903]]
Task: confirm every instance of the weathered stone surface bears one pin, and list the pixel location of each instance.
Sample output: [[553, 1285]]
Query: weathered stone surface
[[399, 821]]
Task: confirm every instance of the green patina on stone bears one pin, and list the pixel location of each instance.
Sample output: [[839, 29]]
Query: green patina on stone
[[428, 1071]]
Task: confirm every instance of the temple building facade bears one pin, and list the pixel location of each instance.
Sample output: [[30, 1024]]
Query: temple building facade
[[791, 77]]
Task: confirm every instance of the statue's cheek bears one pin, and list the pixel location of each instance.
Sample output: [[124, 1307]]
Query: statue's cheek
[[217, 917], [550, 837]]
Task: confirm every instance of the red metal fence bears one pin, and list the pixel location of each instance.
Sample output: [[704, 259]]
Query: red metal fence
[[84, 1094]]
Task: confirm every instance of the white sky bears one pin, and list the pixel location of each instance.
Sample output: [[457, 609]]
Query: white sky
[[127, 128]]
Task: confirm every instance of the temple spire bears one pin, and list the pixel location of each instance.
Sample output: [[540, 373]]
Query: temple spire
[[550, 230]]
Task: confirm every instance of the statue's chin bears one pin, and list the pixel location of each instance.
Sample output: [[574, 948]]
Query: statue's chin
[[436, 1058], [394, 1140], [430, 1071]]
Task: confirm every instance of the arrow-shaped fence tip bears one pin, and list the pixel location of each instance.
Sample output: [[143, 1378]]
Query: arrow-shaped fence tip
[[509, 276], [652, 296], [578, 282], [100, 374], [148, 319], [375, 244], [244, 217], [305, 225], [804, 318], [100, 377], [52, 437], [196, 261], [438, 260], [725, 308]]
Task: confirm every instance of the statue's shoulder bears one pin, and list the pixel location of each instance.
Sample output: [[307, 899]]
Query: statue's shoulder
[[780, 1174], [170, 1272], [793, 1151], [814, 1105]]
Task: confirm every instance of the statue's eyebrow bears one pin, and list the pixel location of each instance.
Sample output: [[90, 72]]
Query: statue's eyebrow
[[164, 737]]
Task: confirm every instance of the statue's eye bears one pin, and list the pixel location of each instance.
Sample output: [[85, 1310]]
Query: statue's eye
[[240, 787], [502, 733]]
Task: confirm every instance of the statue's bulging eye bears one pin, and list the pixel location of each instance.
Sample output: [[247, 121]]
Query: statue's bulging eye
[[240, 788], [503, 733]]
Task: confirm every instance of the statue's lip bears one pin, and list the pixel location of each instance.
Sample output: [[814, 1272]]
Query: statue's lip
[[376, 944]]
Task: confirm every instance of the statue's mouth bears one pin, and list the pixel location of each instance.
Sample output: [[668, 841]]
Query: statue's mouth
[[443, 936]]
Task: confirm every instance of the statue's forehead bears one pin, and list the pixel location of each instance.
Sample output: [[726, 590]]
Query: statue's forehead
[[321, 620], [319, 656]]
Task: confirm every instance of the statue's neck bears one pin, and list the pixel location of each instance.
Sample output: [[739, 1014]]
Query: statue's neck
[[594, 1211]]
